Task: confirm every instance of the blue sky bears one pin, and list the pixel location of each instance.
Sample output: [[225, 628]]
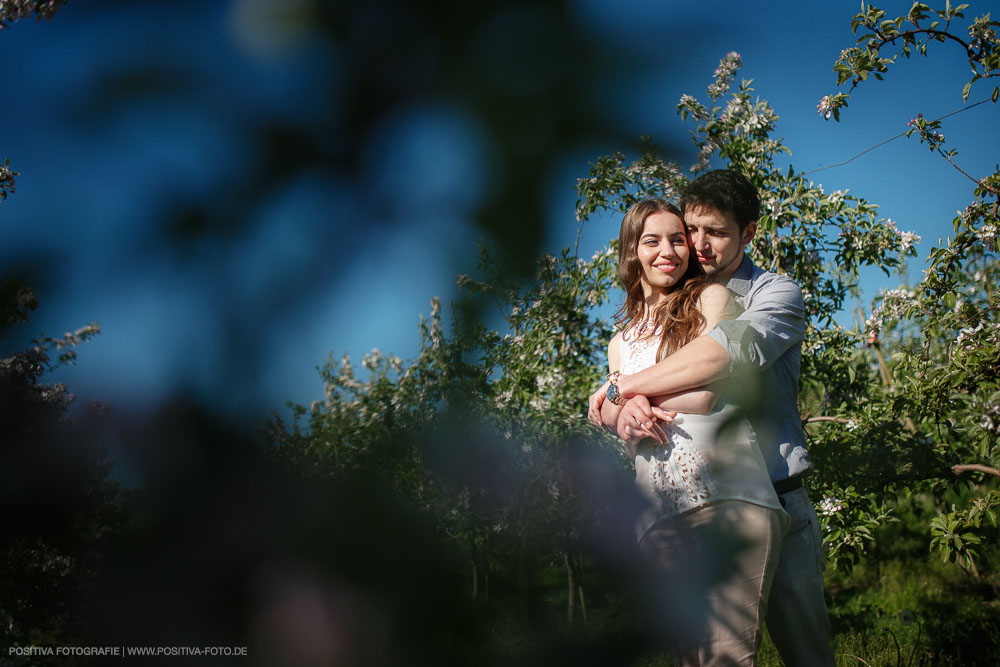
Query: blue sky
[[212, 314]]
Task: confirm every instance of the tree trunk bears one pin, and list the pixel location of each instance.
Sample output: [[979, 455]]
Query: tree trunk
[[571, 583]]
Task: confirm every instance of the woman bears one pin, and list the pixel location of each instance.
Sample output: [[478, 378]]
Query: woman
[[713, 526]]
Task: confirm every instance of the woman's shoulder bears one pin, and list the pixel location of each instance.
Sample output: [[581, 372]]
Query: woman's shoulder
[[716, 303], [713, 296]]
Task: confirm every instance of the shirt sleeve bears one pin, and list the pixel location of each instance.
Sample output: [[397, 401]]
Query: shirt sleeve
[[773, 322]]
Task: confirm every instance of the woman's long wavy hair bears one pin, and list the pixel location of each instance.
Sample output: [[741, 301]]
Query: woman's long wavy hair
[[678, 316]]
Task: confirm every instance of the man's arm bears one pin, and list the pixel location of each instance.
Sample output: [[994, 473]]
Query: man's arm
[[693, 366], [773, 323], [699, 363]]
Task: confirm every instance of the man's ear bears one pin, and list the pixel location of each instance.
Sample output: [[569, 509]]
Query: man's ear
[[749, 232]]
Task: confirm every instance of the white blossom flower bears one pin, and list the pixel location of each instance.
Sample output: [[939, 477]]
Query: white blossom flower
[[503, 398], [991, 419], [908, 240], [829, 506], [988, 234], [825, 107], [372, 360], [965, 334], [724, 75]]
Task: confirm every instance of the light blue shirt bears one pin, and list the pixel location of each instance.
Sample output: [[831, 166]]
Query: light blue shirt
[[765, 348]]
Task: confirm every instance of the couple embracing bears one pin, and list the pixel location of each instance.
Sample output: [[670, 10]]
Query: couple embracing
[[703, 390]]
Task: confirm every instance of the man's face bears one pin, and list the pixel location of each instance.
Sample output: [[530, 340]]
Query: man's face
[[716, 239]]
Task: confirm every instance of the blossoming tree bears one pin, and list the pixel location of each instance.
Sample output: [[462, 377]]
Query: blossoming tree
[[485, 430], [938, 342]]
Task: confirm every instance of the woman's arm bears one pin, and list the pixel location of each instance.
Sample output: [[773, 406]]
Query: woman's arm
[[693, 401], [611, 414], [610, 411]]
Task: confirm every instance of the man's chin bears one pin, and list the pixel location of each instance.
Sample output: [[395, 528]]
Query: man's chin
[[709, 269]]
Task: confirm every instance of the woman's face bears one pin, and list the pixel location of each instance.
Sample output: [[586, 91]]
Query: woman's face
[[663, 252]]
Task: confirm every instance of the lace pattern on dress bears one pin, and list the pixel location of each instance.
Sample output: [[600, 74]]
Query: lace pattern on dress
[[678, 473], [638, 348]]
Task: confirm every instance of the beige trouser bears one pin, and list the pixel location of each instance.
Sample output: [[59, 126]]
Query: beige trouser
[[710, 575]]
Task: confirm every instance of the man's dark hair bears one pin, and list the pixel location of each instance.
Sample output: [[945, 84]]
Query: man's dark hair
[[724, 190]]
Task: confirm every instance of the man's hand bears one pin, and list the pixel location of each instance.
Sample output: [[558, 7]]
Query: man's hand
[[594, 405], [638, 419]]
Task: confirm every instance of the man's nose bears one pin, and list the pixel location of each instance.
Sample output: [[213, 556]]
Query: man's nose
[[698, 239]]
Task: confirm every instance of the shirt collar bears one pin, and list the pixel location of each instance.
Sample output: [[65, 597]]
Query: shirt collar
[[739, 283]]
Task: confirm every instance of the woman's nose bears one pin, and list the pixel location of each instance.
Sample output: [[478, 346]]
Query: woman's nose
[[668, 250]]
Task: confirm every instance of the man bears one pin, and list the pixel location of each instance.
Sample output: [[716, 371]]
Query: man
[[763, 346]]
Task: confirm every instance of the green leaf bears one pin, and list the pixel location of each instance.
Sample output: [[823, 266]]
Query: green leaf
[[965, 91], [996, 93]]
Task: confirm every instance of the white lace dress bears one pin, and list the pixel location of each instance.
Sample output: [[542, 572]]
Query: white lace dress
[[706, 458]]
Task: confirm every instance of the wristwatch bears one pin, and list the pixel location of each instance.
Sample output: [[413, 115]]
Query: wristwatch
[[613, 394]]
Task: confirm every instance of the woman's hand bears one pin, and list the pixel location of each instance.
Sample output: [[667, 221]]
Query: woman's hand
[[594, 405], [638, 419]]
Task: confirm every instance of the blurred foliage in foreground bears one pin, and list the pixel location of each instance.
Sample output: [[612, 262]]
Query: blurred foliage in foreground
[[458, 508]]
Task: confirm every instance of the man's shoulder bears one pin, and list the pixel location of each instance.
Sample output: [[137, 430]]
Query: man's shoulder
[[768, 284], [764, 277]]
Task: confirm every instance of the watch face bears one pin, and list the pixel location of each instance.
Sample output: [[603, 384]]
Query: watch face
[[613, 393]]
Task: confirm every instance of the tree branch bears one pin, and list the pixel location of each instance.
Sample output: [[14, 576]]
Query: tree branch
[[974, 467], [980, 183], [839, 420], [930, 32]]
